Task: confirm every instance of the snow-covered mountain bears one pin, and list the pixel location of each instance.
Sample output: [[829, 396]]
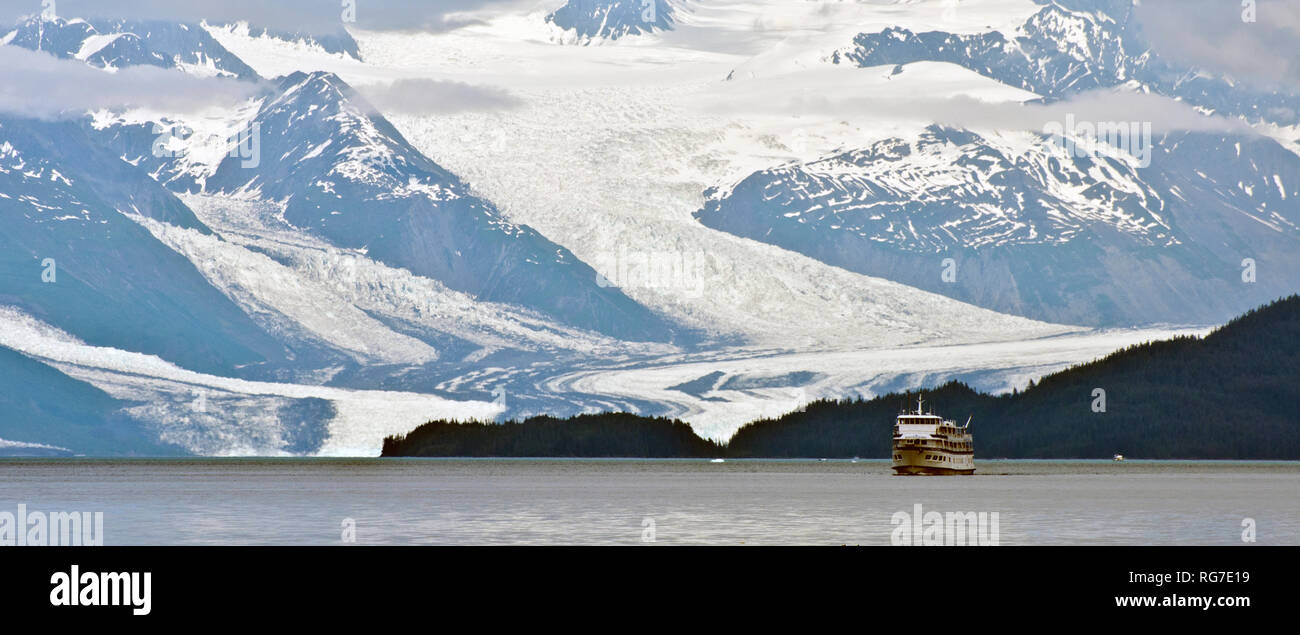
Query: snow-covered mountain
[[76, 252], [1068, 48], [339, 170], [336, 42], [1035, 230], [72, 255], [111, 44], [721, 221], [272, 303], [593, 20]]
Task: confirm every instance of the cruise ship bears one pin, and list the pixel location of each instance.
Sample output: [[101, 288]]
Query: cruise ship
[[929, 444]]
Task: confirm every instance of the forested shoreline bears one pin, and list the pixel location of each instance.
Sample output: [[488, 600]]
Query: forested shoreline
[[1233, 394]]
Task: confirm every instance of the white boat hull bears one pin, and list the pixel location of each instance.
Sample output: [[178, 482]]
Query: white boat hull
[[929, 461]]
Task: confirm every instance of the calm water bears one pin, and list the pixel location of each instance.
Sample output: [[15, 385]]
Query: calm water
[[497, 501]]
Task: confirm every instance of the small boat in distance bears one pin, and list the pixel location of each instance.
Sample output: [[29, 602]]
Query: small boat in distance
[[929, 444], [1118, 457]]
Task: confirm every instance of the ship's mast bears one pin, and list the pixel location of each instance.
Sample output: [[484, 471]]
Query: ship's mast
[[918, 404]]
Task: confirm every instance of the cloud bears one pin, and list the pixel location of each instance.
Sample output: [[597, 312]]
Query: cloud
[[39, 85], [436, 97], [1217, 36], [844, 100], [1104, 105], [304, 16]]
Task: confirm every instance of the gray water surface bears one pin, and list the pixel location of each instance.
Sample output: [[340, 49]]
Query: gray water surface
[[577, 501]]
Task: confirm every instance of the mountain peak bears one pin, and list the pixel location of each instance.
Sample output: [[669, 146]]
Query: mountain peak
[[611, 19], [110, 44]]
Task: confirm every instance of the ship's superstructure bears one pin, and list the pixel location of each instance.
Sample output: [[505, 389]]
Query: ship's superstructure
[[925, 443]]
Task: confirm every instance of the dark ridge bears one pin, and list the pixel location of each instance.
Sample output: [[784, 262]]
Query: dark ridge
[[591, 435]]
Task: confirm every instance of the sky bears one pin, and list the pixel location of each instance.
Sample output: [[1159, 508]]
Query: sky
[[1216, 35], [317, 16], [1213, 34]]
